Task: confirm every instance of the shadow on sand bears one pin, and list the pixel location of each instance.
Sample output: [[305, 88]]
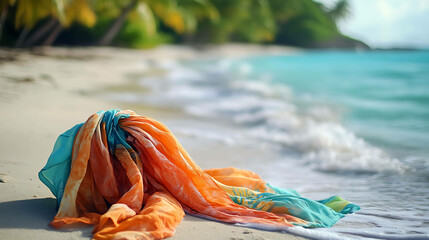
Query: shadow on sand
[[29, 213], [34, 214]]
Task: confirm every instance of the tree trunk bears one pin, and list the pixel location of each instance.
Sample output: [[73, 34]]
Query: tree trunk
[[117, 24], [53, 36], [3, 19], [22, 36], [40, 32]]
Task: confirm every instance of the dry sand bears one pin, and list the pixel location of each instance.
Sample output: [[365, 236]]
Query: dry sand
[[47, 91]]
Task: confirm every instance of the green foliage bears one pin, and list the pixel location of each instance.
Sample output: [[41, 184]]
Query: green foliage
[[294, 22], [310, 25], [240, 20], [79, 34], [151, 22], [134, 35]]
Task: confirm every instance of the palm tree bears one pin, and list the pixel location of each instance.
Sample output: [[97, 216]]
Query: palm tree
[[180, 15], [75, 11], [4, 9], [240, 20], [340, 10], [27, 14], [61, 12], [117, 24]]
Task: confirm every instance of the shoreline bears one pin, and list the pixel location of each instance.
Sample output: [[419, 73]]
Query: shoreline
[[47, 91]]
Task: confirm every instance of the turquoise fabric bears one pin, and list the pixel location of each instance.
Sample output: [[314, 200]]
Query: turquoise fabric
[[56, 171], [115, 134], [315, 212], [349, 208]]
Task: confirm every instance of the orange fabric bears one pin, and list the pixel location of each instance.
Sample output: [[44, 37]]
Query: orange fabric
[[239, 178], [140, 192]]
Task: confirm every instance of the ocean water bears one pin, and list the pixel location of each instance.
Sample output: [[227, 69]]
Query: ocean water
[[354, 124]]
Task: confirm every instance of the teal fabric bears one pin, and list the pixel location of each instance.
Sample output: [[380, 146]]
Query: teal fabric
[[56, 171], [350, 208], [314, 212], [115, 134]]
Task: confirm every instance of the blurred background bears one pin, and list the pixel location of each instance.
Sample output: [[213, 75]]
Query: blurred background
[[147, 23], [332, 92]]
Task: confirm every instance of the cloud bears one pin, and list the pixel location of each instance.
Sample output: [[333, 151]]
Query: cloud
[[388, 23]]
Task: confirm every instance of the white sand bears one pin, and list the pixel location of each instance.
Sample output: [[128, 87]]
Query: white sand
[[45, 93]]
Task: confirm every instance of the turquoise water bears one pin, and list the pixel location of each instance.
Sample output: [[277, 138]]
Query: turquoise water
[[383, 96], [353, 124], [355, 112]]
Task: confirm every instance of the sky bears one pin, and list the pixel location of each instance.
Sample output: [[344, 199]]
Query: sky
[[387, 23]]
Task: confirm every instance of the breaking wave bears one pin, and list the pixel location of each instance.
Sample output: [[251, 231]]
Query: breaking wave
[[268, 112]]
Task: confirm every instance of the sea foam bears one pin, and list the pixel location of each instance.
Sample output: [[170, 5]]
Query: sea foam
[[267, 112], [304, 139]]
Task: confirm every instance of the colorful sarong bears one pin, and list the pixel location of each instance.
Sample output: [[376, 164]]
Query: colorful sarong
[[130, 177]]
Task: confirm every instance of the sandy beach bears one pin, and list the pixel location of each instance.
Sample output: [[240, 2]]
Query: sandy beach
[[44, 92]]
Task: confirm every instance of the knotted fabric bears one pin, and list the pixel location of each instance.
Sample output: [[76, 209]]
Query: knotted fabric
[[130, 177]]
